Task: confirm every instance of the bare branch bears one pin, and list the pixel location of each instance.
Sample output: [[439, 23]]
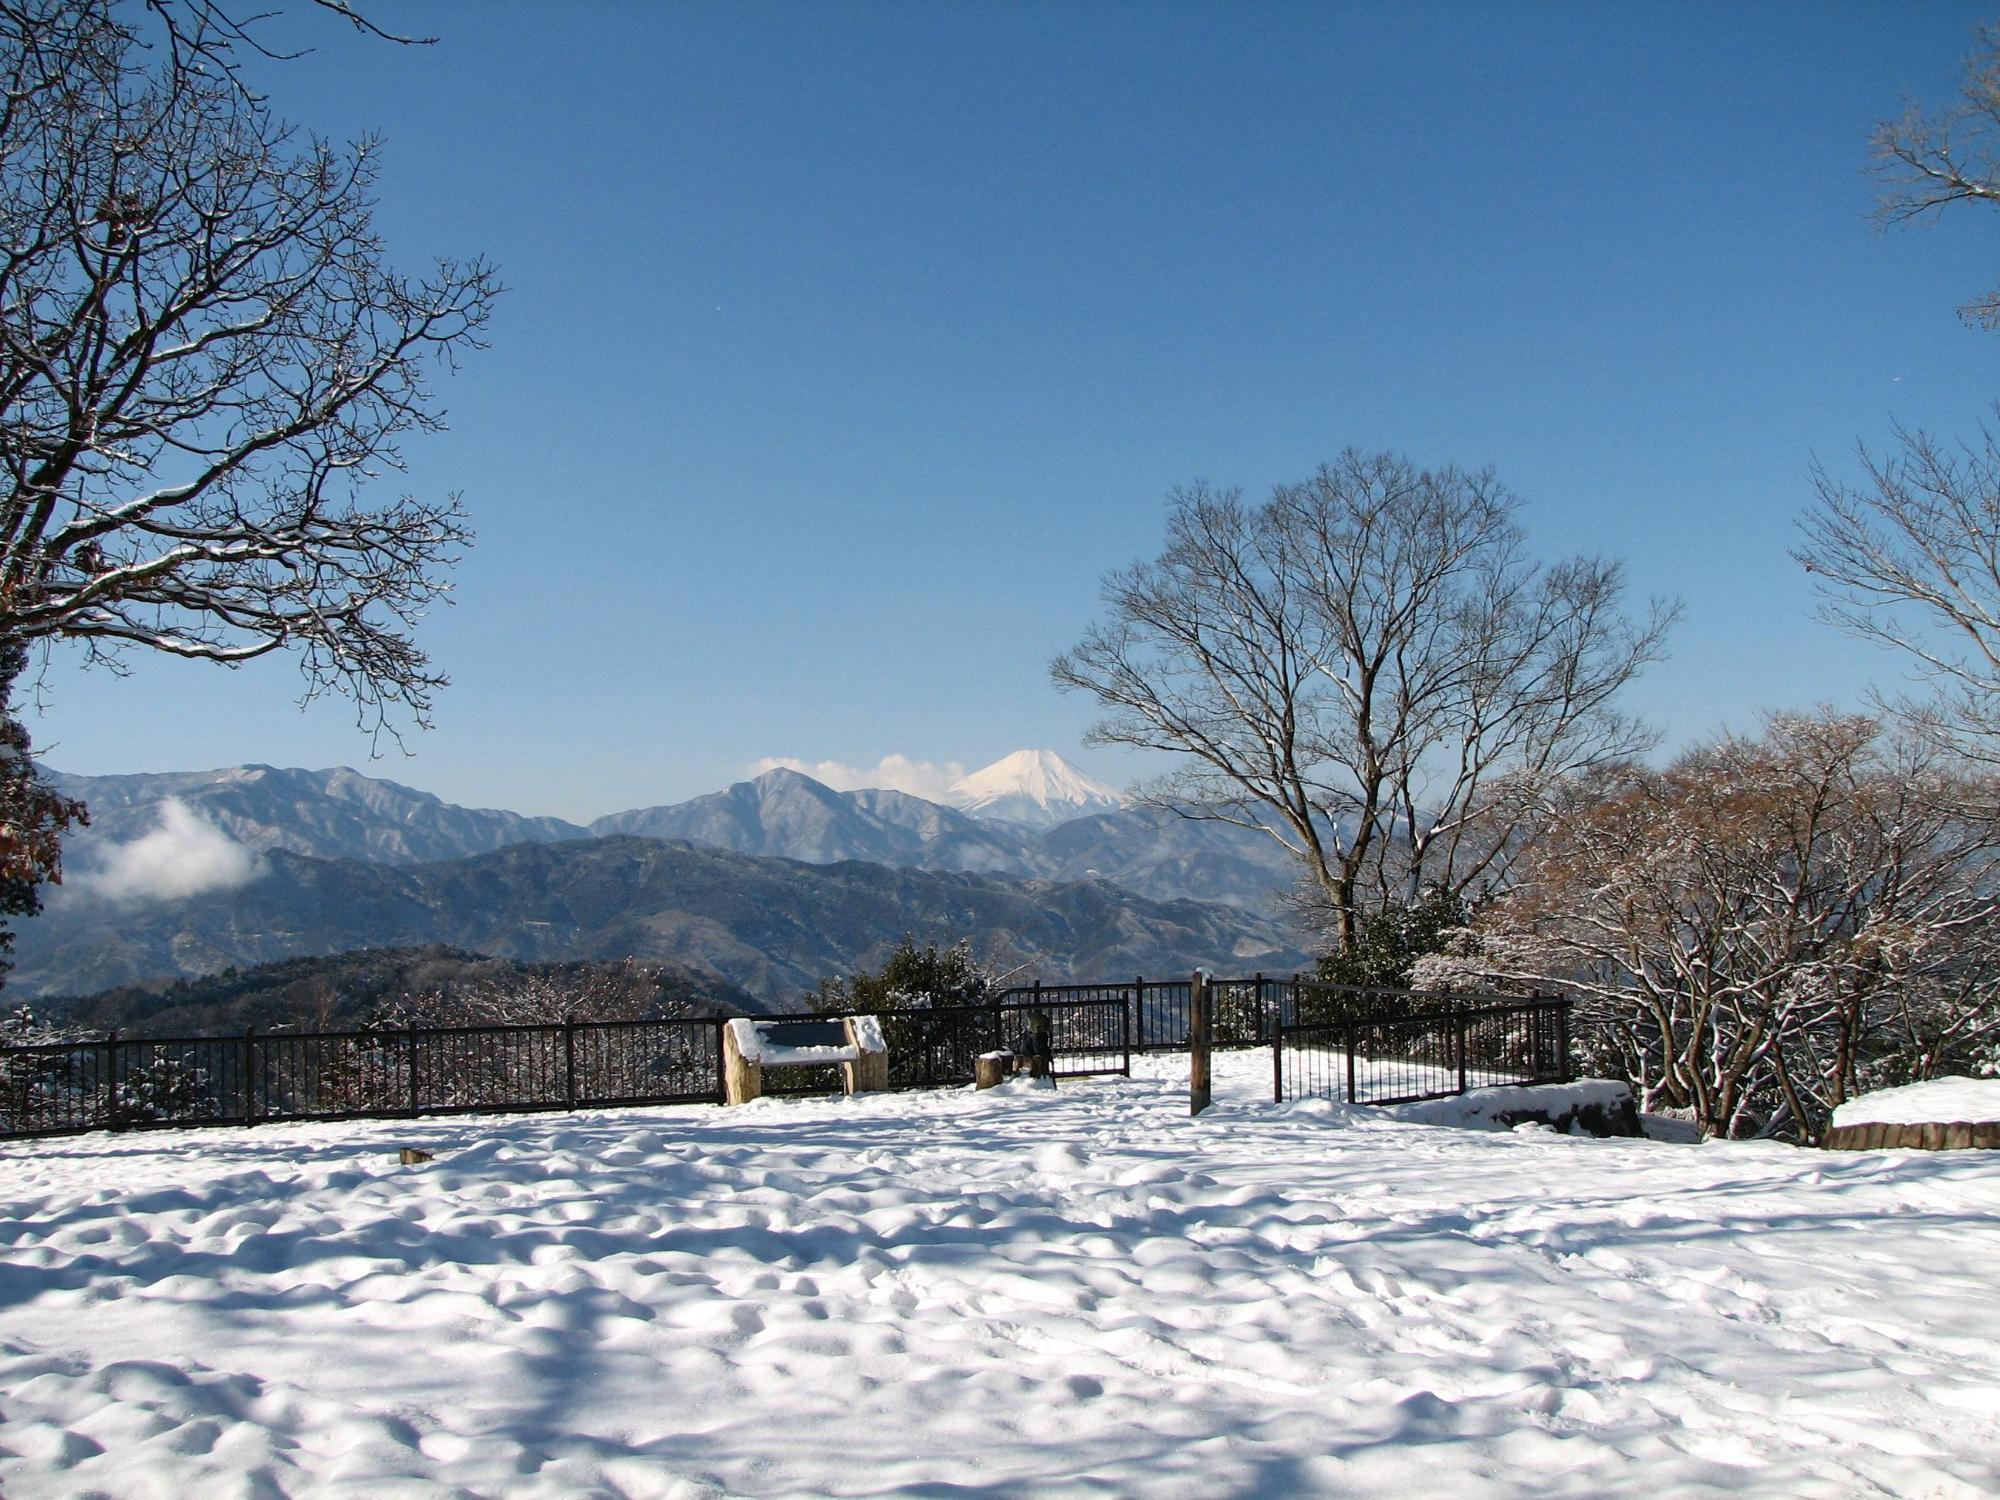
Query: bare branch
[[1927, 162]]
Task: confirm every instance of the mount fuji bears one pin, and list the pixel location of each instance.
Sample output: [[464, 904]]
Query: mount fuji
[[1034, 789]]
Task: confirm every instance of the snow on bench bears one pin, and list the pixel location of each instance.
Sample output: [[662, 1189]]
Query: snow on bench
[[854, 1043]]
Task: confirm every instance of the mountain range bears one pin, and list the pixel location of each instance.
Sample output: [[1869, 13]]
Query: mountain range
[[773, 927], [1081, 831], [768, 885]]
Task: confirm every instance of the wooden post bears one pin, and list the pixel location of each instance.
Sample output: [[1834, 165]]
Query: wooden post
[[869, 1072], [1198, 1090], [743, 1077]]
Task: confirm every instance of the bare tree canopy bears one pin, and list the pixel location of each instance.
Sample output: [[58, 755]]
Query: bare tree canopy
[[1765, 928], [203, 360], [1909, 557], [1927, 161], [1908, 553], [1369, 668]]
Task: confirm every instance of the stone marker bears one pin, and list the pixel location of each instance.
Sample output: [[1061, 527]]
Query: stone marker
[[990, 1069]]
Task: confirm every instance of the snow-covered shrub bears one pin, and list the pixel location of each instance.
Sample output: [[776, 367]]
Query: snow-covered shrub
[[163, 1088]]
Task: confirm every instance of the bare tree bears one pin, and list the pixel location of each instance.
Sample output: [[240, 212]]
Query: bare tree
[[1928, 161], [1764, 928], [1368, 668], [1910, 557], [203, 357]]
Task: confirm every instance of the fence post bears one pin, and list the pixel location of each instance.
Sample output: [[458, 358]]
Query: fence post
[[1347, 1034], [1278, 1062], [413, 1074], [1458, 1026], [111, 1079], [1125, 1035], [721, 1063], [250, 1074], [1198, 1028], [569, 1062], [1139, 1010], [1562, 1039]]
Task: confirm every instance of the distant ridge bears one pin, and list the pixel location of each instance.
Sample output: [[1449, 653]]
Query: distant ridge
[[770, 926], [333, 814]]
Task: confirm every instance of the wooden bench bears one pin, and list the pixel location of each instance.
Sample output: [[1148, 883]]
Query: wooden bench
[[854, 1043]]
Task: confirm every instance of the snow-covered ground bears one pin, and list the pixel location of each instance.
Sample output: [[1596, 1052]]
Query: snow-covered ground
[[1941, 1101], [1015, 1293]]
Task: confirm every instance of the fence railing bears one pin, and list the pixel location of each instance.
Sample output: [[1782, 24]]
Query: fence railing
[[1434, 1054], [122, 1083], [127, 1083], [1352, 1045], [1244, 1012]]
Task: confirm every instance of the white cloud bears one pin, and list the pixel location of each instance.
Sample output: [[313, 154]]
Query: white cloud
[[184, 856], [920, 778]]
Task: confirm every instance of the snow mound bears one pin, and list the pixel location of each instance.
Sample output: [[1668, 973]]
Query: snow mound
[[1563, 1106], [1941, 1101]]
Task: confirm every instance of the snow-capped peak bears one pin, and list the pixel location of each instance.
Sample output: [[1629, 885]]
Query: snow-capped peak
[[1036, 787]]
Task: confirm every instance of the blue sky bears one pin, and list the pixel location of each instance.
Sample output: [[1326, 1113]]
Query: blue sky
[[848, 346]]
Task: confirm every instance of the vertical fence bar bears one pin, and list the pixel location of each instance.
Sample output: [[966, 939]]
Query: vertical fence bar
[[1564, 1073], [569, 1062], [110, 1076], [1278, 1063], [250, 1075], [1347, 1035], [1458, 1020], [412, 1042], [1139, 1008]]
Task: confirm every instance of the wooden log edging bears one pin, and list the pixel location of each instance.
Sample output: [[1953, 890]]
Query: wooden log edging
[[1959, 1136]]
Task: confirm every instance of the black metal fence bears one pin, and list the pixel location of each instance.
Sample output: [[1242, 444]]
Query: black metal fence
[[1244, 1012], [931, 1048], [135, 1083], [1351, 1045], [119, 1083], [1378, 1058]]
